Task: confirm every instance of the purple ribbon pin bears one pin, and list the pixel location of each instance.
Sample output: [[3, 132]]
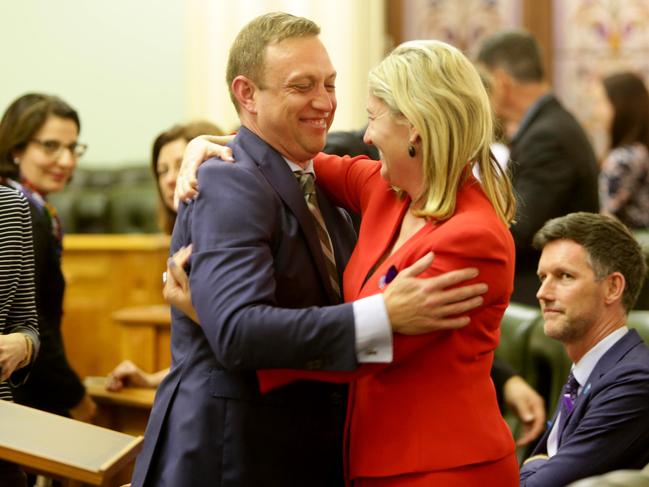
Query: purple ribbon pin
[[388, 277]]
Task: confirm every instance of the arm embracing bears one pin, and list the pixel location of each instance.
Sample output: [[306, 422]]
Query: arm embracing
[[495, 270], [233, 282], [343, 178]]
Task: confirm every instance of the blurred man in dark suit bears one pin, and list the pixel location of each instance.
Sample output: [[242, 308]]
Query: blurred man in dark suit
[[553, 167]]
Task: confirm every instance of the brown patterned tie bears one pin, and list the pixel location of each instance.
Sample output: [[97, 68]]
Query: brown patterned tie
[[307, 185]]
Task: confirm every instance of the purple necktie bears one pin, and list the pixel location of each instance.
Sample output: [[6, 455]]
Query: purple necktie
[[568, 398]]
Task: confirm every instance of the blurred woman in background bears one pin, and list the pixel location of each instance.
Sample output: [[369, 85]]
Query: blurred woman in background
[[39, 149], [624, 175], [167, 154]]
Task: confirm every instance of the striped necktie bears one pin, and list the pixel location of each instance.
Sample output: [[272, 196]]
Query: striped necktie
[[307, 185]]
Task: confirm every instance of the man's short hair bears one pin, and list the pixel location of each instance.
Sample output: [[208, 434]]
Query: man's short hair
[[249, 47], [515, 51], [610, 246]]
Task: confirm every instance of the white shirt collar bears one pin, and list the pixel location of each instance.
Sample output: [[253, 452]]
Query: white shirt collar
[[582, 369], [308, 168]]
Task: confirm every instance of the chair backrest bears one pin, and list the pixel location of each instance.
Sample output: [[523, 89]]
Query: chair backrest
[[548, 365], [132, 209], [515, 330]]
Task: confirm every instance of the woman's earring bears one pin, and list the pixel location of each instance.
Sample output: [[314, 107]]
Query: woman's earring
[[16, 161], [411, 150]]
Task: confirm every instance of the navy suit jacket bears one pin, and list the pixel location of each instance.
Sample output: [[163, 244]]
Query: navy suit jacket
[[259, 284], [609, 427], [554, 172]]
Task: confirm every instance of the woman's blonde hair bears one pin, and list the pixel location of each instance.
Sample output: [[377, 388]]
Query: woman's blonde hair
[[436, 89]]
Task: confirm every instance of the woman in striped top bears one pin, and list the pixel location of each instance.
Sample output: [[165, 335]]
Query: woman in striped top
[[38, 154], [19, 340]]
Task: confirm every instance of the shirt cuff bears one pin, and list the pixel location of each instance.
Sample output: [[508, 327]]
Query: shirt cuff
[[373, 331]]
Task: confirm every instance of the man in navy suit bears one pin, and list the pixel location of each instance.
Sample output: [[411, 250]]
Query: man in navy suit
[[264, 292], [591, 272]]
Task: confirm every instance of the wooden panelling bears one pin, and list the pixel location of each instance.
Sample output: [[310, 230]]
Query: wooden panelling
[[537, 18], [146, 338], [105, 273]]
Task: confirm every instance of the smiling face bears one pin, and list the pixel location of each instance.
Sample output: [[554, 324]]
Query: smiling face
[[168, 164], [572, 299], [50, 172], [391, 137], [296, 104]]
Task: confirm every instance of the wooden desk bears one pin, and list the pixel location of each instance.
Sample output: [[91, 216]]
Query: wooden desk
[[63, 447], [146, 337], [105, 273], [126, 411]]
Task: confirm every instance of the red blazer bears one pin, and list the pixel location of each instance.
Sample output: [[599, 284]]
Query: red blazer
[[434, 407]]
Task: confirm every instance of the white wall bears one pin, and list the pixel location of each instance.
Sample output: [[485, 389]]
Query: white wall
[[118, 62], [134, 67], [352, 31]]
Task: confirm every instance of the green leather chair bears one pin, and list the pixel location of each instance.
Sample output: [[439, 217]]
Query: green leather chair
[[548, 365], [132, 209], [515, 330], [115, 200]]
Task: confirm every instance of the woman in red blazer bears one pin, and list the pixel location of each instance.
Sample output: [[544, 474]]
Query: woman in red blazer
[[431, 416]]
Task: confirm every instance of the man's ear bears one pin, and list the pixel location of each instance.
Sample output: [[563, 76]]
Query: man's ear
[[244, 91], [614, 290]]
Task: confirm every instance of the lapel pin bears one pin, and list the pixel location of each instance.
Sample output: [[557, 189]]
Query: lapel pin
[[388, 277]]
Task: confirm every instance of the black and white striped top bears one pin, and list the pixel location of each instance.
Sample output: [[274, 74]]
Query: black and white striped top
[[17, 295]]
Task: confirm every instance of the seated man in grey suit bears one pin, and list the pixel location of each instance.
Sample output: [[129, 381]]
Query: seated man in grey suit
[[591, 271]]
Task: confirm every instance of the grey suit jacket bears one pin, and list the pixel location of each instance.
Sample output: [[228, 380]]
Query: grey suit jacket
[[260, 288]]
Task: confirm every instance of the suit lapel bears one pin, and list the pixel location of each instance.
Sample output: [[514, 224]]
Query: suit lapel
[[280, 177], [604, 364], [611, 357]]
